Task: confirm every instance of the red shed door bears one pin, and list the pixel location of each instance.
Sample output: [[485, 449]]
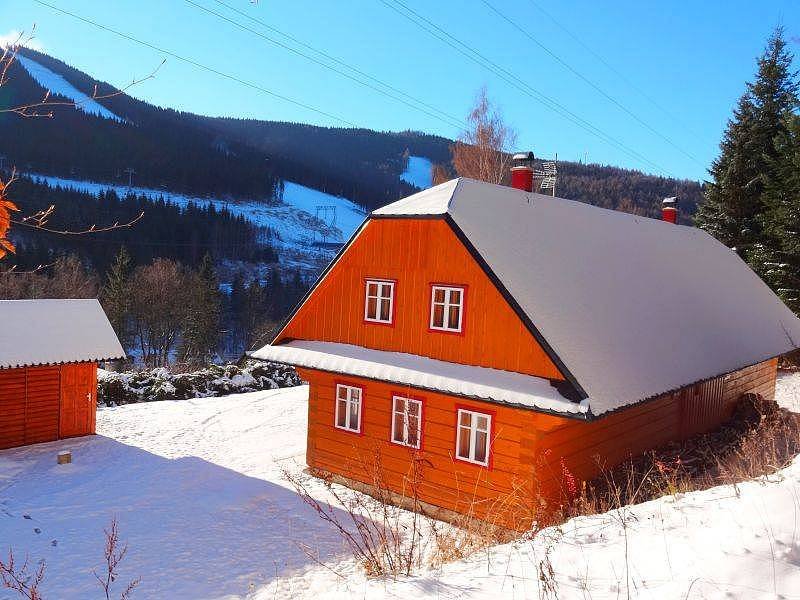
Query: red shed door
[[78, 397]]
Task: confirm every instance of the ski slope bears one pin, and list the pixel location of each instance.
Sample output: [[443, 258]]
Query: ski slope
[[418, 172], [56, 84], [293, 219]]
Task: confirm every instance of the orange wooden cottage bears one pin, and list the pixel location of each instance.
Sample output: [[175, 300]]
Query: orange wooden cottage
[[49, 351], [498, 337]]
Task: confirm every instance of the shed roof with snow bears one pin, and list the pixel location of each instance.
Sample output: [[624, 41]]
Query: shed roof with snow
[[629, 307], [41, 332]]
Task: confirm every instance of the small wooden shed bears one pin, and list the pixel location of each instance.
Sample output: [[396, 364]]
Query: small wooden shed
[[49, 350]]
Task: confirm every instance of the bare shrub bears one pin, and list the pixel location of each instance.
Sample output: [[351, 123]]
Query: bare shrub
[[373, 528], [395, 532], [114, 552], [20, 579]]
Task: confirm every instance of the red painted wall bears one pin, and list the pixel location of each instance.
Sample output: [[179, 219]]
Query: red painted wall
[[33, 407], [416, 253]]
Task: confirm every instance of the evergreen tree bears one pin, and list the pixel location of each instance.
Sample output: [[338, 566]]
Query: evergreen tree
[[116, 296], [734, 204], [777, 258], [201, 328]]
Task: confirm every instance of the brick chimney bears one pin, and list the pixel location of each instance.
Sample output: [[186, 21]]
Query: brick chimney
[[522, 171], [669, 209]]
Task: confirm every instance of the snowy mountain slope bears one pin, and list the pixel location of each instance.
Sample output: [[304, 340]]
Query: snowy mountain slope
[[294, 220], [348, 215], [198, 489], [418, 172], [58, 85]]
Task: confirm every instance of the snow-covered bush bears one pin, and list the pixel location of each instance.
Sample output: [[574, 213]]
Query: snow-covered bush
[[216, 380]]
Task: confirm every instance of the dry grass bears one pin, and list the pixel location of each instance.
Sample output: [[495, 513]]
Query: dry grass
[[761, 439]]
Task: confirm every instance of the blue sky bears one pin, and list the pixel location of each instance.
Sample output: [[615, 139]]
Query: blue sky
[[683, 65]]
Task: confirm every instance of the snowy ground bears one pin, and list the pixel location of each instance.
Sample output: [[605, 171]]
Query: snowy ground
[[418, 172], [56, 84], [197, 489]]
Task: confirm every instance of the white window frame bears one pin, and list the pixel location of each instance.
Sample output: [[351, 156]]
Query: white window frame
[[348, 426], [404, 441], [473, 431], [379, 299], [446, 306]]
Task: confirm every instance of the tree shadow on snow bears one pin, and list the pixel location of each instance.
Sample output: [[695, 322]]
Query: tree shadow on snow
[[194, 529]]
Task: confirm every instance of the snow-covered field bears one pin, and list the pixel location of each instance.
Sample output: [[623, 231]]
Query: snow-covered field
[[418, 172], [56, 84], [197, 489]]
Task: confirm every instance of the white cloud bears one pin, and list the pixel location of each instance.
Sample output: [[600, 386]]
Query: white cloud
[[17, 37]]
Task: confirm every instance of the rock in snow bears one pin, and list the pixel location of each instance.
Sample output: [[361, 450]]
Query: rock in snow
[[198, 492]]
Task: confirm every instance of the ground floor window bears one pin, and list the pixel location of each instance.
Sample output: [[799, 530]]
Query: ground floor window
[[406, 421], [348, 407], [472, 437]]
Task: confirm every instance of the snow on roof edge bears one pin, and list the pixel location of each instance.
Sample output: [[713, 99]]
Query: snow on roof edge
[[482, 383], [55, 331]]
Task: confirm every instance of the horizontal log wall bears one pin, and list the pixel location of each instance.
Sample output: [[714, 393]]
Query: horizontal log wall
[[445, 481], [629, 432], [527, 448], [29, 405]]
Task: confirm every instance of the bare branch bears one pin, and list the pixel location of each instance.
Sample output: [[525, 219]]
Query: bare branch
[[20, 580]]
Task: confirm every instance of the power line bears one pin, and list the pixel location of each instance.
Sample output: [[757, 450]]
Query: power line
[[515, 81], [196, 64], [609, 66], [318, 62], [340, 62], [589, 82]]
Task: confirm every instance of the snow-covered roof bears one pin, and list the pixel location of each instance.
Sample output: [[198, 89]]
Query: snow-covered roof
[[630, 307], [40, 332], [424, 373]]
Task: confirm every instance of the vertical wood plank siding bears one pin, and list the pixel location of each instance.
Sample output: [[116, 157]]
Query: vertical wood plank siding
[[31, 403], [416, 253], [527, 447]]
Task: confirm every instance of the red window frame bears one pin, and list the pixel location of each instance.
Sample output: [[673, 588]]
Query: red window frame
[[392, 301], [492, 415], [421, 429], [463, 315], [355, 386]]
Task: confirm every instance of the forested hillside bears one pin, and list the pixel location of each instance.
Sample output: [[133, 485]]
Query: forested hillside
[[243, 158]]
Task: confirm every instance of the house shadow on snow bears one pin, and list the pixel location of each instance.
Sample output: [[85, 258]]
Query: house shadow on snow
[[194, 529]]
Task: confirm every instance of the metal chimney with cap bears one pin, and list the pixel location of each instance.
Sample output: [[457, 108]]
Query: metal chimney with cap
[[522, 171], [669, 209]]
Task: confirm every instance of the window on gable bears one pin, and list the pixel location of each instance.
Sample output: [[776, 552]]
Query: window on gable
[[379, 301], [472, 438], [348, 407], [406, 421], [447, 308]]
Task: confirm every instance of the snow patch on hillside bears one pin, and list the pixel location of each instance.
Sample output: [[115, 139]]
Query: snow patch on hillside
[[348, 216], [294, 219], [418, 172], [56, 84]]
